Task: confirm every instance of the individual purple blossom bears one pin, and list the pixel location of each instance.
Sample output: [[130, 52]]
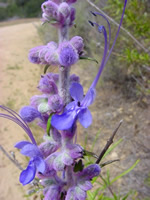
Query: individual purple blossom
[[36, 162], [47, 84], [55, 103], [51, 144], [65, 157], [77, 43], [53, 187], [34, 55], [68, 55], [81, 182], [50, 8], [68, 153], [45, 54], [78, 109], [58, 13], [28, 114]]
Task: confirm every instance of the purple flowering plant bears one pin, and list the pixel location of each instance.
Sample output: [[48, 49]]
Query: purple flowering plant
[[58, 162]]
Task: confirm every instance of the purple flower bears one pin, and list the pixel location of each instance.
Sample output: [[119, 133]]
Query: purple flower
[[69, 152], [47, 84], [50, 9], [65, 157], [36, 162], [67, 54], [44, 54], [78, 44], [51, 144], [53, 187], [81, 182], [28, 114], [78, 109], [34, 55], [55, 103]]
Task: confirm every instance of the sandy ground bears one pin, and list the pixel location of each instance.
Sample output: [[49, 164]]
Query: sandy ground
[[18, 79], [18, 82]]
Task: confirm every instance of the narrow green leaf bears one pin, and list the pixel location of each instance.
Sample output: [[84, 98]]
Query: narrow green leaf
[[125, 172], [90, 154], [49, 124], [46, 68], [88, 58]]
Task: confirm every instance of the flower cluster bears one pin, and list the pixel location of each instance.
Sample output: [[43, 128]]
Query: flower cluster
[[65, 54], [59, 153], [58, 13]]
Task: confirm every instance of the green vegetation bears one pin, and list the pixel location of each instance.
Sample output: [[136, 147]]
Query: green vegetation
[[21, 8], [133, 63]]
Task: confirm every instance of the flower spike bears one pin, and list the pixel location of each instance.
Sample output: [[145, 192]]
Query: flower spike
[[78, 109]]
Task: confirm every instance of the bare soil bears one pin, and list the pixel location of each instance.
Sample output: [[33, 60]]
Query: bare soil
[[18, 82]]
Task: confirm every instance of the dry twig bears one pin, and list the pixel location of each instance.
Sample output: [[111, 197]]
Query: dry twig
[[109, 142]]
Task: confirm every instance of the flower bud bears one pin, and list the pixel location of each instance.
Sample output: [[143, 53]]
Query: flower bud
[[55, 103], [34, 55], [50, 9], [64, 9], [77, 43], [67, 55], [47, 85], [29, 114]]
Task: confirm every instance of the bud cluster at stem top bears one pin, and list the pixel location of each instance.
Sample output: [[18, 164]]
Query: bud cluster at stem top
[[58, 13]]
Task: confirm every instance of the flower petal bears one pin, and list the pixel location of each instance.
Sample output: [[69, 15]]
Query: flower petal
[[85, 117], [76, 91], [91, 171], [58, 165], [80, 194], [40, 164], [89, 97], [66, 159], [64, 121], [28, 174], [85, 185], [53, 193], [30, 150], [21, 144]]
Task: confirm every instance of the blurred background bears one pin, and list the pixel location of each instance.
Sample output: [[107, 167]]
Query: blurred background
[[123, 91]]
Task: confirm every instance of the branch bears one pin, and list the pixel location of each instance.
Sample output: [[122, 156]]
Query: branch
[[114, 22], [108, 162], [109, 142], [14, 161]]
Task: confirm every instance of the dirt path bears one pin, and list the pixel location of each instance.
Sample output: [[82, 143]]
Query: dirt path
[[18, 81]]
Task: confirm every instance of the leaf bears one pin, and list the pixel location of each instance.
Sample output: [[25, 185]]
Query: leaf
[[125, 172], [92, 195], [49, 125], [46, 68], [88, 153], [88, 58]]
